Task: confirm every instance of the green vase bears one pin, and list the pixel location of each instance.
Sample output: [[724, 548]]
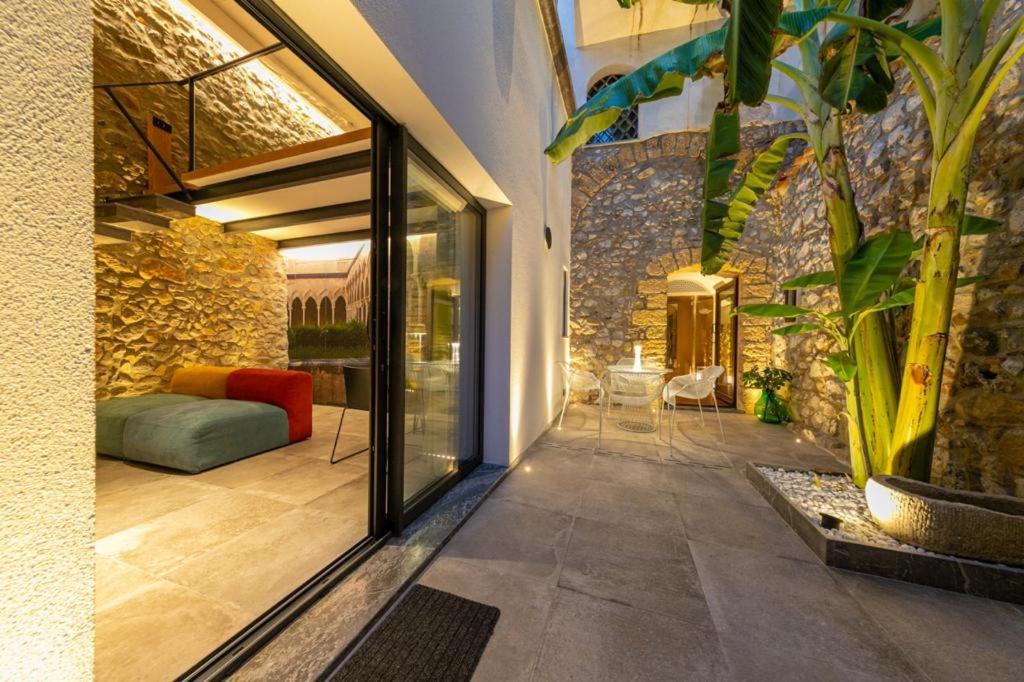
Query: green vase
[[770, 408]]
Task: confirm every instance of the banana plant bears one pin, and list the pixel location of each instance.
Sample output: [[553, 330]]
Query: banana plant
[[871, 284], [956, 83]]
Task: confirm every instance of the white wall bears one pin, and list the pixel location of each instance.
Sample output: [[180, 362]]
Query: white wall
[[487, 69], [690, 111], [46, 353]]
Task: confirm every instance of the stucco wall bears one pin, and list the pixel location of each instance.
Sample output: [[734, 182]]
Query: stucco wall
[[192, 295], [487, 68], [46, 292], [240, 112]]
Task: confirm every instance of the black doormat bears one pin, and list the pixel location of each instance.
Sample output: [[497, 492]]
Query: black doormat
[[430, 635]]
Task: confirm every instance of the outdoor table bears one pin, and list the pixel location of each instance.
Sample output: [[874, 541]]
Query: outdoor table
[[641, 420]]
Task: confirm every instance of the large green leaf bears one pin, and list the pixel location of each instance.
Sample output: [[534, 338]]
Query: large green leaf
[[750, 48], [799, 328], [723, 145], [843, 365], [772, 310], [811, 280], [725, 221], [874, 267], [976, 224], [661, 77]]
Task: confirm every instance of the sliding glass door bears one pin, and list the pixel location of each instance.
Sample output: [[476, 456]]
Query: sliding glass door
[[441, 336]]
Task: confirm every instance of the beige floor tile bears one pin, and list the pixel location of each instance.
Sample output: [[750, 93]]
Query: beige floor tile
[[305, 482], [141, 503], [160, 544], [349, 500], [250, 470], [160, 632], [113, 475], [117, 581], [258, 568]]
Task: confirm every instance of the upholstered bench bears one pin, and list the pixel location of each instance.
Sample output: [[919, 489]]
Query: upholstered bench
[[200, 435], [111, 416], [212, 416]]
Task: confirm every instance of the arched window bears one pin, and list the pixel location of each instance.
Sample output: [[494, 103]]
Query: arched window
[[296, 315], [325, 311], [626, 126], [340, 313], [311, 317]]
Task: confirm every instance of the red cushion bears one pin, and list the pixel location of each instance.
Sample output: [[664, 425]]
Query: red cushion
[[291, 391]]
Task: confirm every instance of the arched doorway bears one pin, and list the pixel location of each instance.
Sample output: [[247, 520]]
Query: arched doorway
[[311, 313], [340, 312], [325, 311], [295, 317]]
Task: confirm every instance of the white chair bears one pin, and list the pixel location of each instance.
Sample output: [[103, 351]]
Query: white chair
[[695, 386], [636, 391], [584, 382]]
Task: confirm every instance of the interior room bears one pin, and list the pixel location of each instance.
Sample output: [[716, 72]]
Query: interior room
[[233, 293]]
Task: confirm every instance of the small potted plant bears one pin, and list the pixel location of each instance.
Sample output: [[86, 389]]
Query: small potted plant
[[770, 408]]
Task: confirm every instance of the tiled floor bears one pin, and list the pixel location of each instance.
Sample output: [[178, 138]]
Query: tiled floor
[[631, 563], [185, 561]]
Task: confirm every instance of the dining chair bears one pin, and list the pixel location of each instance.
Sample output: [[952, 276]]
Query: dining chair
[[584, 382], [636, 391], [357, 397], [694, 386]]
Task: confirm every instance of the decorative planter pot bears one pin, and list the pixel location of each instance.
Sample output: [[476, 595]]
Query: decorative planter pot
[[961, 523], [770, 408]]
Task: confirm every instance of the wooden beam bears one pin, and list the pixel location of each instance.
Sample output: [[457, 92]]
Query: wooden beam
[[338, 238], [303, 217]]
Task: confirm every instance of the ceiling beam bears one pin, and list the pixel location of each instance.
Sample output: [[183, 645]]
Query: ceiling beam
[[338, 238], [314, 171], [305, 216]]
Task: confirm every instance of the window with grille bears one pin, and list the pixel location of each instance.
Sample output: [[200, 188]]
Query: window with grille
[[626, 126]]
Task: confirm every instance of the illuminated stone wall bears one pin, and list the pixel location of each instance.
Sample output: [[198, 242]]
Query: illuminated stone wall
[[190, 295], [240, 112]]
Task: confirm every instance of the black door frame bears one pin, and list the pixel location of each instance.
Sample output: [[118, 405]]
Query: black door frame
[[387, 513]]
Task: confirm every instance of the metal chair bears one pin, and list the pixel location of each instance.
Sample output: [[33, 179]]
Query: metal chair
[[694, 386], [636, 391], [584, 382], [357, 397]]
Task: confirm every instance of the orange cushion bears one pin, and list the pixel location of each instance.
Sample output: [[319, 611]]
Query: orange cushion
[[201, 380]]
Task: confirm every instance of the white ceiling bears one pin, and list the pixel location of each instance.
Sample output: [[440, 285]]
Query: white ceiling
[[598, 21]]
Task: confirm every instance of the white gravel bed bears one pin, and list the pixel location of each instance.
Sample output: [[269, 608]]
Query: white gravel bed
[[836, 495]]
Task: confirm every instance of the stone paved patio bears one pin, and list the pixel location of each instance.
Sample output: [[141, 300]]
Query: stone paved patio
[[629, 563]]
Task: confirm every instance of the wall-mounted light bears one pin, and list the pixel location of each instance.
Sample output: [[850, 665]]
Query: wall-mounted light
[[547, 236]]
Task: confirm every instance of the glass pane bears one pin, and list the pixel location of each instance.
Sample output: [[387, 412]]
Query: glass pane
[[442, 281]]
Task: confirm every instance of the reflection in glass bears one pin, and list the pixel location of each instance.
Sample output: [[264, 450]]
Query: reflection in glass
[[442, 261]]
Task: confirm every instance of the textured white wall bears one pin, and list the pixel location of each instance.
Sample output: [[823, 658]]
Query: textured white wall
[[487, 68], [46, 354]]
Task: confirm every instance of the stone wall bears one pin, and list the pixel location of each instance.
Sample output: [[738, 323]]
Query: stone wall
[[240, 112], [636, 204], [188, 295], [636, 219]]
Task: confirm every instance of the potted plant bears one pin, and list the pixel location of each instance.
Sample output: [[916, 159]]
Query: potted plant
[[770, 408]]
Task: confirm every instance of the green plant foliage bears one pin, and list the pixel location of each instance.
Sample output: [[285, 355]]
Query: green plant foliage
[[975, 225], [724, 222], [346, 340], [842, 364], [874, 268], [766, 378], [811, 280], [661, 77], [798, 328], [772, 310], [750, 47]]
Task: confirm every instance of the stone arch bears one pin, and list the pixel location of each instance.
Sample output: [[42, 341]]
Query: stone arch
[[295, 313], [326, 315], [340, 311], [311, 318]]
